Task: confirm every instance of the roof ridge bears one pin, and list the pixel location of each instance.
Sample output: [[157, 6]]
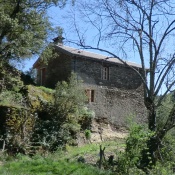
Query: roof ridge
[[93, 55], [84, 50]]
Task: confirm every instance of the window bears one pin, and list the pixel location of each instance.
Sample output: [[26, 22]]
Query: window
[[105, 73], [90, 94]]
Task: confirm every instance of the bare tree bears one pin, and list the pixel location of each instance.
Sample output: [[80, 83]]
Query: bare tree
[[147, 27]]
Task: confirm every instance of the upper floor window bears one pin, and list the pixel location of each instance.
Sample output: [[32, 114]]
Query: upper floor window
[[105, 73]]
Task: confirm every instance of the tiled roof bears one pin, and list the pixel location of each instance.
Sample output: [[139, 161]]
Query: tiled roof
[[90, 55]]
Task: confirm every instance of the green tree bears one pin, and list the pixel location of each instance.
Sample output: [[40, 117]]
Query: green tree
[[24, 27], [146, 28], [70, 107], [69, 116]]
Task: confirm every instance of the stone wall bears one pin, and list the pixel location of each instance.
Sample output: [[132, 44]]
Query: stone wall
[[120, 76], [116, 106]]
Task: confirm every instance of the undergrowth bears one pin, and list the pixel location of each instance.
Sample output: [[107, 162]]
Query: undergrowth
[[62, 162], [43, 166]]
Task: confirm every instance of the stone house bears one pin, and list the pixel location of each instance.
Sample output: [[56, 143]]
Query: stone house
[[114, 90]]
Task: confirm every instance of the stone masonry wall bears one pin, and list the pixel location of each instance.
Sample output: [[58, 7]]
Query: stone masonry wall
[[116, 106], [115, 99], [119, 76]]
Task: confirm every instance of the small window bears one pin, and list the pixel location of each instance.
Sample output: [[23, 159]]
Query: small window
[[90, 94], [105, 73]]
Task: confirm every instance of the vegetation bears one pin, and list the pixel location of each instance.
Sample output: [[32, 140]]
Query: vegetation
[[40, 120], [68, 117], [25, 27], [46, 166], [144, 28], [58, 162], [124, 162]]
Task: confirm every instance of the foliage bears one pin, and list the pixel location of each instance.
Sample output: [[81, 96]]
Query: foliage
[[70, 106], [29, 77], [135, 143], [42, 166], [69, 98], [41, 99], [164, 110], [87, 134], [137, 140], [68, 117], [19, 112], [166, 150], [11, 98], [25, 27], [9, 78], [19, 127]]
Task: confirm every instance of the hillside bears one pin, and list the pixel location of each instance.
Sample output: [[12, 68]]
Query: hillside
[[20, 106], [49, 130]]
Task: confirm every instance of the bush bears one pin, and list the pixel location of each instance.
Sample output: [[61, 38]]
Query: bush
[[135, 143], [69, 117], [11, 98], [87, 134], [70, 107], [129, 160]]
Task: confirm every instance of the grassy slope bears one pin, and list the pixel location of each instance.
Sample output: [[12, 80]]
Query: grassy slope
[[60, 163]]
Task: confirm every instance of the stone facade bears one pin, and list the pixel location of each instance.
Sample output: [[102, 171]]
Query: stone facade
[[114, 90], [120, 76]]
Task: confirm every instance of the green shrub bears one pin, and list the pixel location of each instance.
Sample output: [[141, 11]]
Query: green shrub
[[70, 107], [135, 143], [19, 130], [69, 116], [11, 98], [87, 134]]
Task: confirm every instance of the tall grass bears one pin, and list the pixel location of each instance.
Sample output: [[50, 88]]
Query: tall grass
[[59, 163], [43, 166]]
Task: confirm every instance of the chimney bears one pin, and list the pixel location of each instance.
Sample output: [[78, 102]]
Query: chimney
[[58, 40]]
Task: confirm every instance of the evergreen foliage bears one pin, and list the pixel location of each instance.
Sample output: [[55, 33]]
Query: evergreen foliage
[[24, 27], [129, 161]]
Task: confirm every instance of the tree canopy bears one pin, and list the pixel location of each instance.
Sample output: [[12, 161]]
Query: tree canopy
[[24, 27]]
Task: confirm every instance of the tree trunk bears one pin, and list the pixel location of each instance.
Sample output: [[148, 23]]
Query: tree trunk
[[149, 154]]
